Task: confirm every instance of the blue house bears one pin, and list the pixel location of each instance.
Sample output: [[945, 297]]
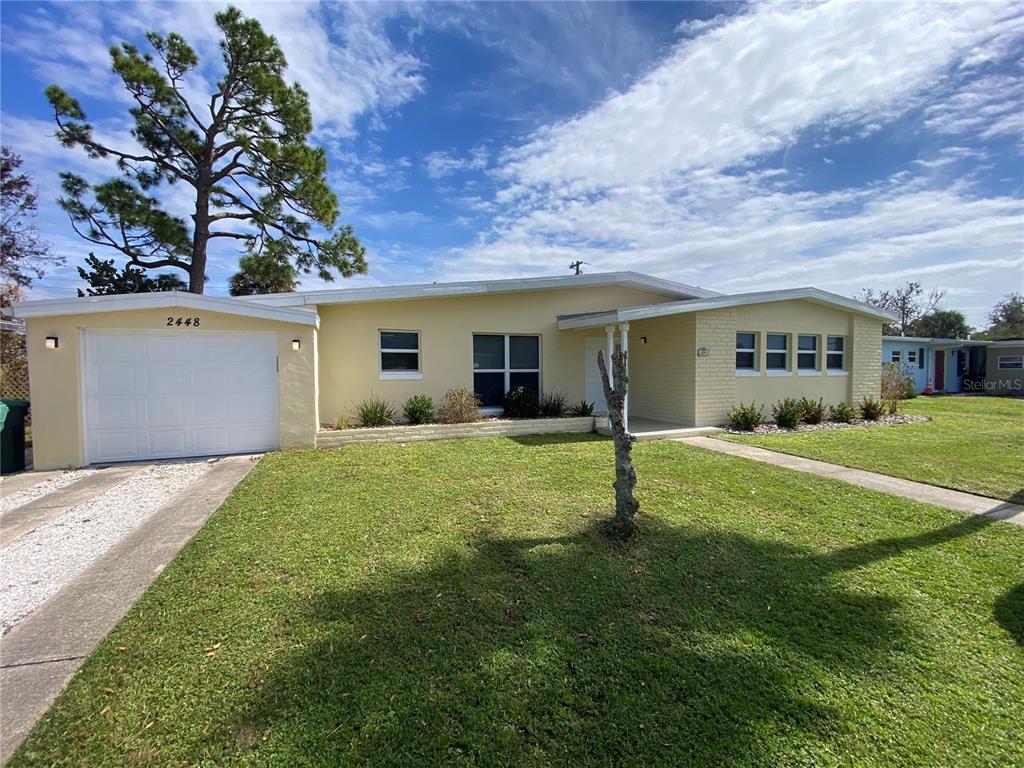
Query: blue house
[[946, 364]]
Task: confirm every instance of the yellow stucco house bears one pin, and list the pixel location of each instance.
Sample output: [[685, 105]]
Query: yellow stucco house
[[176, 374]]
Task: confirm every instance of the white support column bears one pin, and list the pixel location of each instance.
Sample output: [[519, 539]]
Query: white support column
[[610, 331], [624, 332]]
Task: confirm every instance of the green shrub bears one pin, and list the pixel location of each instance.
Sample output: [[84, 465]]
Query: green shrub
[[812, 412], [553, 405], [522, 403], [745, 418], [419, 409], [459, 407], [843, 413], [582, 408], [787, 413], [871, 409], [375, 412]]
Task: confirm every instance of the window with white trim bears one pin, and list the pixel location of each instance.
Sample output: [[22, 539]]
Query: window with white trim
[[399, 354], [776, 356], [896, 356], [835, 353], [807, 353], [1010, 362], [912, 356], [746, 351], [502, 362]]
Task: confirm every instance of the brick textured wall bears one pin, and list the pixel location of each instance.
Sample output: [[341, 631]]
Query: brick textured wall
[[866, 354], [661, 374], [715, 375]]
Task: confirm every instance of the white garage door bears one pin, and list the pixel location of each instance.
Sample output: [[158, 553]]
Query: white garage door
[[152, 395]]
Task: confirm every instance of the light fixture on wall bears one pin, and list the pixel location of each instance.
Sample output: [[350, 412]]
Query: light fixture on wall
[[296, 344], [643, 339], [52, 342]]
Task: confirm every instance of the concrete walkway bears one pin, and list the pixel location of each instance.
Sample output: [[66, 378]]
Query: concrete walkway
[[42, 652], [908, 489]]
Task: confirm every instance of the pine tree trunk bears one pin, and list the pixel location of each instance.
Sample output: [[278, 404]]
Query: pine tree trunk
[[626, 505], [200, 239]]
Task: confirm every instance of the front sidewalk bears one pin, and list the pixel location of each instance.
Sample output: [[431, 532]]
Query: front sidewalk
[[958, 501]]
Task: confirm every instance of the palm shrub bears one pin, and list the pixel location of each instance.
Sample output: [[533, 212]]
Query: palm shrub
[[787, 413], [582, 408], [813, 412], [374, 411], [842, 413], [553, 405], [419, 409], [522, 403], [459, 406], [870, 409], [745, 418]]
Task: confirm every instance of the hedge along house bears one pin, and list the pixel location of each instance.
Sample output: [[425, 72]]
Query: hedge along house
[[176, 374]]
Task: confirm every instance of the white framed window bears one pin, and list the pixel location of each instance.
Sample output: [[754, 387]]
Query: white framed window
[[746, 351], [911, 356], [399, 354], [1010, 362], [806, 352], [896, 356], [776, 356], [835, 353], [502, 362]]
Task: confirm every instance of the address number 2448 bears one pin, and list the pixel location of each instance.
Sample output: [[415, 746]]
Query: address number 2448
[[173, 321]]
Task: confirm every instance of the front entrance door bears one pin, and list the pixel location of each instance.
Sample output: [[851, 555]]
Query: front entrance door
[[594, 390], [940, 370]]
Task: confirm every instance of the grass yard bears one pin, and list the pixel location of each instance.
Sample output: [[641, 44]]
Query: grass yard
[[973, 444], [449, 603]]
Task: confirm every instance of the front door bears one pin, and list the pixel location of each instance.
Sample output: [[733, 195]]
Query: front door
[[594, 390], [940, 370]]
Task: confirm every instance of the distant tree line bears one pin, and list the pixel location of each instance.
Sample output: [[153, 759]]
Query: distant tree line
[[919, 314]]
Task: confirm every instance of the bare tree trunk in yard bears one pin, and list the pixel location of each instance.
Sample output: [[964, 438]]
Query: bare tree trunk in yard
[[626, 505]]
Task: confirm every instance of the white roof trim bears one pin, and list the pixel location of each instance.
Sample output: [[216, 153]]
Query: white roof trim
[[163, 300], [472, 288], [815, 295]]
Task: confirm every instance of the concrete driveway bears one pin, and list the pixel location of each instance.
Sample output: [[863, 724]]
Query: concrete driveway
[[77, 548]]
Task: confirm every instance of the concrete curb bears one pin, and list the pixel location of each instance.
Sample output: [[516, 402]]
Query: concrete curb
[[958, 501], [40, 654]]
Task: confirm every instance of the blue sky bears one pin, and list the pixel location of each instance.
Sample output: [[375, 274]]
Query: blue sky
[[737, 147]]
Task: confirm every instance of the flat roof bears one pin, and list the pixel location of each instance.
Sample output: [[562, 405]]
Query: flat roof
[[163, 300], [627, 279], [816, 295]]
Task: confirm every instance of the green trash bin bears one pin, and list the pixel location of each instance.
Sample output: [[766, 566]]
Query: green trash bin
[[12, 435]]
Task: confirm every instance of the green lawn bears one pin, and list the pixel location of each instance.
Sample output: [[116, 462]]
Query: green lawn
[[449, 603], [973, 444]]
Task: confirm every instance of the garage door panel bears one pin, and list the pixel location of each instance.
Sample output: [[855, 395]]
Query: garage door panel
[[163, 378], [178, 393]]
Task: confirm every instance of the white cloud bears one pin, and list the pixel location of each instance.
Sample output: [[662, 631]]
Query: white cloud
[[440, 164]]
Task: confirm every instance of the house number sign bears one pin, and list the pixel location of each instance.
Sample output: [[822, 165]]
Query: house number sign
[[176, 321], [703, 352]]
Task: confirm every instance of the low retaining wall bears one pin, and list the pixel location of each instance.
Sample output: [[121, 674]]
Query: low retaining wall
[[492, 428]]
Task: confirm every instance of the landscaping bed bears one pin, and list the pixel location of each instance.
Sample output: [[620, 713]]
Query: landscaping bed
[[401, 433], [973, 444], [450, 603], [882, 421]]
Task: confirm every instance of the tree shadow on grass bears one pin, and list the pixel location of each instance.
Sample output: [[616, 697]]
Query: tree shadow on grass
[[688, 647], [1010, 612]]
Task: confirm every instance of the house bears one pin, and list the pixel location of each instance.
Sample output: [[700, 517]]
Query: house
[[177, 374], [957, 365]]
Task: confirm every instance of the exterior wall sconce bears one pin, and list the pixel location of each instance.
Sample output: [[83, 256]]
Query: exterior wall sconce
[[643, 339], [52, 342], [296, 345]]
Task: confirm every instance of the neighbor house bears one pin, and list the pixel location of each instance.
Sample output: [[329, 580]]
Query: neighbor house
[[958, 365], [176, 374]]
